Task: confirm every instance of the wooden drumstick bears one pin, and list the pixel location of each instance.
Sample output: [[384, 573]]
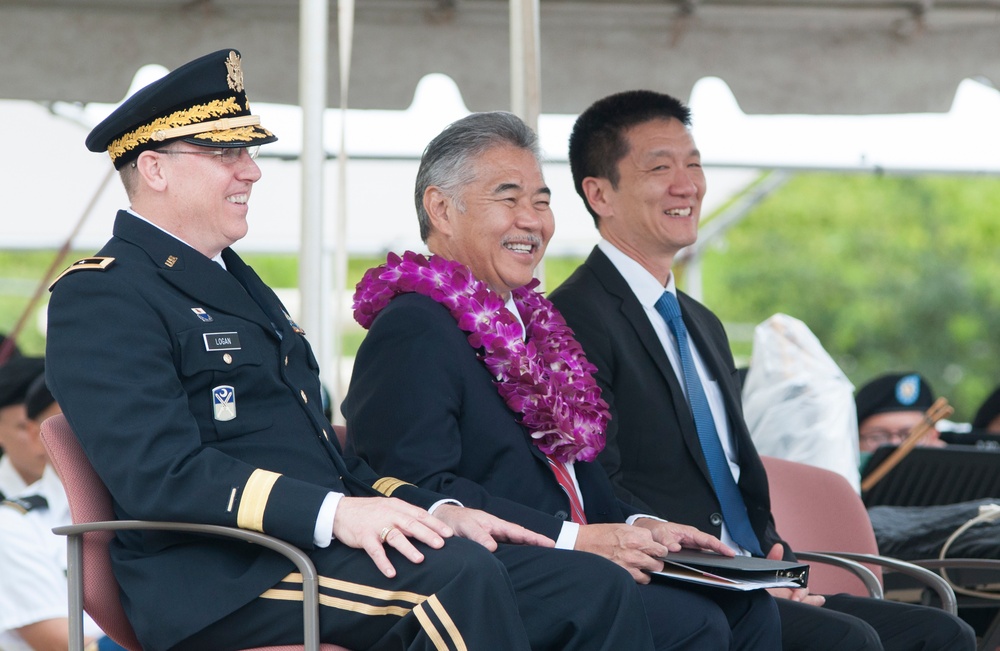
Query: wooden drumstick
[[940, 409]]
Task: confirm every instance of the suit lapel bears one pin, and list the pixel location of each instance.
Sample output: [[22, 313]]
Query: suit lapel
[[262, 295], [635, 315]]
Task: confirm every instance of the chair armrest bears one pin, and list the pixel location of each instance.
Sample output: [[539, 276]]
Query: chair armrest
[[970, 571], [310, 588], [943, 589], [867, 577]]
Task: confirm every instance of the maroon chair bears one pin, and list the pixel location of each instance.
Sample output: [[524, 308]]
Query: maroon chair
[[826, 523], [92, 584]]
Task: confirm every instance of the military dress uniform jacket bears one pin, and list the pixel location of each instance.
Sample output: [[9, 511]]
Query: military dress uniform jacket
[[449, 430], [653, 455], [196, 398]]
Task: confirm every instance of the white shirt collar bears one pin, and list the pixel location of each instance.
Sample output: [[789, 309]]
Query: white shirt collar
[[512, 306], [217, 258], [643, 284]]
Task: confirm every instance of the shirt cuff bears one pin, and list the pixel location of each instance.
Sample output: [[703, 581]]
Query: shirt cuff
[[632, 518], [323, 533], [445, 501], [567, 535]]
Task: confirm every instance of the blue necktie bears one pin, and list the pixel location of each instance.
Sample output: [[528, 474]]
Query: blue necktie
[[734, 510]]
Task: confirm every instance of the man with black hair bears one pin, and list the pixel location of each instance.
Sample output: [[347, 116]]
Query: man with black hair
[[24, 457], [678, 446]]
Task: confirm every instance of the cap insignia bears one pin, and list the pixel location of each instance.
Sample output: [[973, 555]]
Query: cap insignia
[[907, 390], [235, 77]]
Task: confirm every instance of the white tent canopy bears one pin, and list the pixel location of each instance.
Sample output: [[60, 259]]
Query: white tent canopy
[[809, 56], [778, 56]]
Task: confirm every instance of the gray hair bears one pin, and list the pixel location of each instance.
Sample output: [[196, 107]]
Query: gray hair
[[448, 162], [129, 176]]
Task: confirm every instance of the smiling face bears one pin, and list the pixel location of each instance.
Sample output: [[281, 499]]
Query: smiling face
[[653, 212], [498, 224], [198, 197]]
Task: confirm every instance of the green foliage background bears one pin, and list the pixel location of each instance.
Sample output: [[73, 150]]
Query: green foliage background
[[890, 272]]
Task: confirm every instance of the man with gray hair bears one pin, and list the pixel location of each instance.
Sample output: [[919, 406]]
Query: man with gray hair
[[196, 397], [493, 402]]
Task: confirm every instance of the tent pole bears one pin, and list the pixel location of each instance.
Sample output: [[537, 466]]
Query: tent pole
[[313, 34], [345, 27], [526, 72]]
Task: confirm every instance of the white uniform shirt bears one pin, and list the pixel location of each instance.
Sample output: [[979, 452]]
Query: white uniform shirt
[[33, 563], [11, 483]]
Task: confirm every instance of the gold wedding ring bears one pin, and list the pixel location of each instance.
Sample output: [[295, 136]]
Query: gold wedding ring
[[385, 533]]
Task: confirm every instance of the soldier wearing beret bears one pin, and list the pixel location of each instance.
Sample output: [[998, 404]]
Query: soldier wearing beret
[[196, 397], [33, 596], [23, 455], [987, 417], [889, 406]]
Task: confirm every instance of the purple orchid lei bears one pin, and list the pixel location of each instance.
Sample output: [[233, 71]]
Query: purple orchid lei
[[545, 377]]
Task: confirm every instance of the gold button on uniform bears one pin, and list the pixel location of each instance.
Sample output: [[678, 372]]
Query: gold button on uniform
[[305, 398], [227, 358], [286, 360], [325, 435]]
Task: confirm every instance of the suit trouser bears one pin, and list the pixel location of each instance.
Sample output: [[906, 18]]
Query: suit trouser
[[686, 616], [846, 622], [516, 598]]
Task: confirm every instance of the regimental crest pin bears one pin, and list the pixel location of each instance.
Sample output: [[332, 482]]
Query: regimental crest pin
[[202, 314], [224, 403], [295, 326]]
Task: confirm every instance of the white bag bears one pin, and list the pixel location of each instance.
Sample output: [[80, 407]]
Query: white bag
[[797, 402]]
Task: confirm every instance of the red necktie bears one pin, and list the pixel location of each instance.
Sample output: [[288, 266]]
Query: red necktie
[[566, 481]]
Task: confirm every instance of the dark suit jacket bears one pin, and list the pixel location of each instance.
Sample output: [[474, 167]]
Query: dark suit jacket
[[653, 455], [423, 408], [134, 365]]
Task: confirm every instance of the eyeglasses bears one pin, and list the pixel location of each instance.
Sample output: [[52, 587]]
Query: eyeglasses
[[882, 436], [878, 437], [228, 155]]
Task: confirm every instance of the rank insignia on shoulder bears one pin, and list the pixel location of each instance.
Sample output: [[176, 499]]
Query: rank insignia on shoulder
[[97, 263], [224, 403], [25, 504]]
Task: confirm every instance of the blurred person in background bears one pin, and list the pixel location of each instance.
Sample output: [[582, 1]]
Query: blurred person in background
[[33, 598]]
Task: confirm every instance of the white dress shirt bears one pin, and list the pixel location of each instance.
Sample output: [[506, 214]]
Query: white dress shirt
[[648, 290]]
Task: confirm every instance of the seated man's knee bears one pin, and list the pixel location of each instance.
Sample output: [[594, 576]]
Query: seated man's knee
[[945, 632], [684, 618]]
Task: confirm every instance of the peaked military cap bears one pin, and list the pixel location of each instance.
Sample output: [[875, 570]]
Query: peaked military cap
[[202, 102], [894, 392]]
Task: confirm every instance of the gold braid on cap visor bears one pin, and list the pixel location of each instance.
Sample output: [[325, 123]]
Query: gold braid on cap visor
[[192, 121]]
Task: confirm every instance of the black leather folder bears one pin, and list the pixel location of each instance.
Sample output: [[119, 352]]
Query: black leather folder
[[736, 573]]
